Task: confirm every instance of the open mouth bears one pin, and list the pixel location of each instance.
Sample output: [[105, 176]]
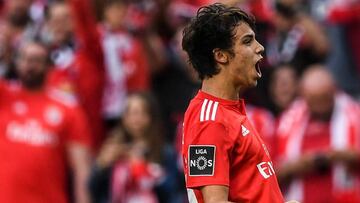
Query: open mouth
[[257, 67]]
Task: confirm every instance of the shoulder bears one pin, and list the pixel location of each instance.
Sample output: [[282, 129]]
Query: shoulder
[[10, 87], [62, 98], [204, 110]]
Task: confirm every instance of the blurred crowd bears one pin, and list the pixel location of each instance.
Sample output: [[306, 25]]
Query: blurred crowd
[[92, 96]]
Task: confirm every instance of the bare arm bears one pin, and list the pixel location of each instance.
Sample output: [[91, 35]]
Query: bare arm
[[219, 194], [79, 159], [215, 194], [316, 35]]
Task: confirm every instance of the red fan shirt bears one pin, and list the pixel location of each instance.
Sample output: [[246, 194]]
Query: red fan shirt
[[221, 147], [83, 73], [34, 131]]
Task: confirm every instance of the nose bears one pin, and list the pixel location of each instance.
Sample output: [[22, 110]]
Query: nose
[[259, 48]]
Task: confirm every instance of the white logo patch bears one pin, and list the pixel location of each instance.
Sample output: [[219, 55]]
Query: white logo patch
[[53, 116], [20, 108], [244, 131]]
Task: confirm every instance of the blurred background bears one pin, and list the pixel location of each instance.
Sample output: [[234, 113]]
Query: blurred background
[[122, 61]]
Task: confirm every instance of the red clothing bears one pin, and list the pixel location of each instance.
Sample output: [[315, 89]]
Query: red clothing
[[221, 147], [347, 13], [85, 74], [264, 123], [127, 70], [261, 9], [299, 135], [34, 131], [317, 139], [134, 181]]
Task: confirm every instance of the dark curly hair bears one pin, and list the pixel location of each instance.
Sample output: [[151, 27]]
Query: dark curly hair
[[212, 27]]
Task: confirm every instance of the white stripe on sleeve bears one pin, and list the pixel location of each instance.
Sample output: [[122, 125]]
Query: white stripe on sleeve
[[191, 196], [202, 113], [208, 110], [213, 115]]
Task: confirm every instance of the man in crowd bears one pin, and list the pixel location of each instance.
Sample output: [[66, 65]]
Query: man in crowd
[[319, 139], [71, 32], [43, 133]]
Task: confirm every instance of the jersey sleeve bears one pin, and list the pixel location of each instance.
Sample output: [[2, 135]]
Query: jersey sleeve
[[207, 155]]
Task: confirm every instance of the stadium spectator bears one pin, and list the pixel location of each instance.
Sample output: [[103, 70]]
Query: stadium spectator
[[175, 85], [127, 168], [43, 133], [343, 27], [72, 34], [127, 68], [282, 88], [16, 26], [297, 39], [319, 139]]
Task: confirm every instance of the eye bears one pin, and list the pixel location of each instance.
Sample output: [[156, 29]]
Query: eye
[[247, 40]]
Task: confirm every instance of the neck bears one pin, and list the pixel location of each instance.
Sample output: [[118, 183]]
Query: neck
[[34, 87], [221, 87]]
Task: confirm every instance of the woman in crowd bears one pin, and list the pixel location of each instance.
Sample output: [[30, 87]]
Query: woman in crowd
[[127, 168]]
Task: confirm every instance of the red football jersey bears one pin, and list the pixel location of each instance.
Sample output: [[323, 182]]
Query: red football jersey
[[221, 147], [34, 130]]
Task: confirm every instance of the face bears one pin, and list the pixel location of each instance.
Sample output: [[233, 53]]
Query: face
[[136, 118], [320, 104], [32, 65], [18, 10], [283, 87], [60, 24], [114, 15], [282, 23], [318, 89], [243, 68]]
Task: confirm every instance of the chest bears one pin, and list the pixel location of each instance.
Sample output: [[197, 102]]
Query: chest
[[316, 137], [34, 121], [248, 145]]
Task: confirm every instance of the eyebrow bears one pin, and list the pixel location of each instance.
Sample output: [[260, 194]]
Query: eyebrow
[[248, 35]]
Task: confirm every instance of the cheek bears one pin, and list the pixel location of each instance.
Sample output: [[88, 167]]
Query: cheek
[[245, 55], [245, 62]]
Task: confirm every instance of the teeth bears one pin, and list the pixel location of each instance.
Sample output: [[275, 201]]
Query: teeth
[[258, 70]]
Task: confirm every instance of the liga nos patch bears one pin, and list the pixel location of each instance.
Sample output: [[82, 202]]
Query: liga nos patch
[[201, 160]]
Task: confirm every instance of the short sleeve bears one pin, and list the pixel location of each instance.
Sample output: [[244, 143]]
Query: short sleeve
[[78, 129], [207, 155]]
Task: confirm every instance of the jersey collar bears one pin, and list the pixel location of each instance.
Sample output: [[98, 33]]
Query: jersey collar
[[239, 104]]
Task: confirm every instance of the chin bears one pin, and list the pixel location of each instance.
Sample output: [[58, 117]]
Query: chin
[[253, 84]]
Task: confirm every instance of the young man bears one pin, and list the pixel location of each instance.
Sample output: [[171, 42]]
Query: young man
[[224, 158]]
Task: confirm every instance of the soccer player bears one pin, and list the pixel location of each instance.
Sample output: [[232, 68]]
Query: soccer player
[[43, 133], [224, 158]]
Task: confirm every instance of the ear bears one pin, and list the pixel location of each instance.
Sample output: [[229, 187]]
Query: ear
[[220, 56]]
